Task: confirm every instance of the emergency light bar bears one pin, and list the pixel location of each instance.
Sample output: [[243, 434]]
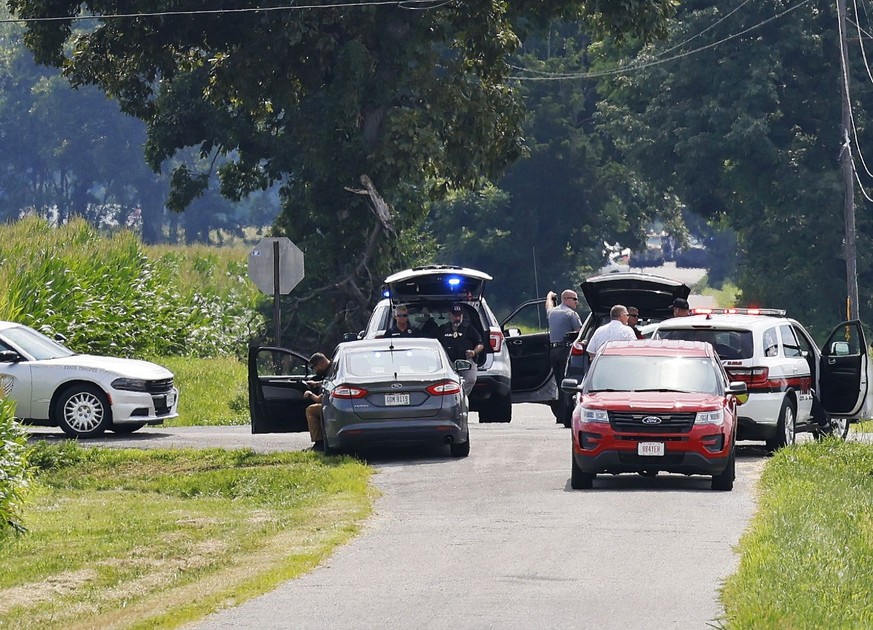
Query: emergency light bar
[[777, 312]]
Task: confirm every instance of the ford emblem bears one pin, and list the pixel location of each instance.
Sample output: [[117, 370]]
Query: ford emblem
[[651, 420], [399, 385]]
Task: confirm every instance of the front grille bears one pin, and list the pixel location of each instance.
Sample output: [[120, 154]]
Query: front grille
[[633, 422], [160, 387]]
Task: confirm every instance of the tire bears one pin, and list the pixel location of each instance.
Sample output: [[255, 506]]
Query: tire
[[496, 409], [836, 427], [83, 411], [125, 429], [785, 427], [724, 481], [579, 480], [462, 449]]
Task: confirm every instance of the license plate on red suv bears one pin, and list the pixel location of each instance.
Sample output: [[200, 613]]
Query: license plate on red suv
[[652, 449]]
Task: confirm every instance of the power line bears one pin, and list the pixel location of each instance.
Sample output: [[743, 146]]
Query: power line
[[557, 76], [415, 5]]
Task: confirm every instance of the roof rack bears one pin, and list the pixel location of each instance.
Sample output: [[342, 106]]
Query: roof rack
[[776, 312]]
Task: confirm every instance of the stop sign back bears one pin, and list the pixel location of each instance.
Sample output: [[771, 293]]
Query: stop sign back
[[262, 264]]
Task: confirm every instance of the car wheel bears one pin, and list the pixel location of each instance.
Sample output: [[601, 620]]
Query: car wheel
[[837, 427], [725, 479], [461, 449], [124, 429], [497, 409], [82, 411], [785, 427], [580, 480]]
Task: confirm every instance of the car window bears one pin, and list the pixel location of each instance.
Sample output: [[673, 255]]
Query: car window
[[636, 373], [36, 344], [790, 345], [728, 344], [378, 321], [843, 342], [803, 341], [278, 363], [770, 343], [531, 318], [393, 363]]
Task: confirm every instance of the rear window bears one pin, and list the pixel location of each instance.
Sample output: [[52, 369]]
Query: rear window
[[393, 363], [644, 373], [728, 344]]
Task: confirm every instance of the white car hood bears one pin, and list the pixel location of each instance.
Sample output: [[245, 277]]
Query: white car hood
[[131, 368]]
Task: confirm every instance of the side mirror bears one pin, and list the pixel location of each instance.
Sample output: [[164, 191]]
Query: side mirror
[[350, 337], [9, 356], [60, 337], [740, 391], [840, 349], [804, 353], [462, 365], [513, 332], [569, 386]]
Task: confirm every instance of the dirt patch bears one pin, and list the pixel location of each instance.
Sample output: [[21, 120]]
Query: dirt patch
[[55, 586]]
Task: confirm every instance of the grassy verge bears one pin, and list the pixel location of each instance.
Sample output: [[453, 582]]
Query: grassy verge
[[129, 538], [863, 427], [211, 391], [807, 559]]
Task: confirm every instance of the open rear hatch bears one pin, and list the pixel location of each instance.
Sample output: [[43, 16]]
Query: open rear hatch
[[652, 295], [436, 282]]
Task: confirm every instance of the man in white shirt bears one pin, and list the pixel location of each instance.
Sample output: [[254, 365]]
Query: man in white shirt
[[616, 330]]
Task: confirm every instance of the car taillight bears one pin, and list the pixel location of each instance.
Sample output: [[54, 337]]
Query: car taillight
[[495, 337], [443, 388], [750, 376], [577, 349], [348, 391]]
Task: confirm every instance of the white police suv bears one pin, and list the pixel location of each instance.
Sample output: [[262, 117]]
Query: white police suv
[[793, 385]]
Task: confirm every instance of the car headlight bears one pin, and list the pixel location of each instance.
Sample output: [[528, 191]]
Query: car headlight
[[594, 415], [130, 384], [710, 417]]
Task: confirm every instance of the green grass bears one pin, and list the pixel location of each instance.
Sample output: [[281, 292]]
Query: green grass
[[160, 538], [863, 427], [211, 391], [807, 559]]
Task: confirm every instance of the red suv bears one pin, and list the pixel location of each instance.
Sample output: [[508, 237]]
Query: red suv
[[655, 405]]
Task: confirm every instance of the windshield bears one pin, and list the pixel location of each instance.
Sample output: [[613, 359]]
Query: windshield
[[35, 344], [616, 373], [393, 363], [728, 344]]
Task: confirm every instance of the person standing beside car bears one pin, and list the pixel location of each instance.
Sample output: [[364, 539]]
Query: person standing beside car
[[681, 308], [563, 320], [633, 318], [615, 330], [401, 327], [319, 364], [461, 340]]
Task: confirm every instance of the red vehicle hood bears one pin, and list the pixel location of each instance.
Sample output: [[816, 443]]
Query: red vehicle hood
[[652, 401]]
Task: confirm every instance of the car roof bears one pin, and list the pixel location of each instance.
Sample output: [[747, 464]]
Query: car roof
[[388, 343], [658, 348], [733, 322]]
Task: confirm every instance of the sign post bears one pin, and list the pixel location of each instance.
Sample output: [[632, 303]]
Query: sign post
[[276, 267]]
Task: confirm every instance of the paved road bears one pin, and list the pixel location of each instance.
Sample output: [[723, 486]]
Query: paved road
[[498, 540]]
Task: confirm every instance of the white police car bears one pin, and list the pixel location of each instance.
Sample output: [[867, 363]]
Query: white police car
[[82, 394], [793, 385]]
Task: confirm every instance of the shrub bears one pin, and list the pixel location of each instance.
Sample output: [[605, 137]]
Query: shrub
[[13, 469]]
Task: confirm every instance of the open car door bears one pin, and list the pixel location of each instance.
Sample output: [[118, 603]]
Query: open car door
[[276, 386], [526, 334], [843, 378]]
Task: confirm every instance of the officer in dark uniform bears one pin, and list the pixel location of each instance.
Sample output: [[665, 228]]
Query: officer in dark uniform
[[401, 327], [462, 341]]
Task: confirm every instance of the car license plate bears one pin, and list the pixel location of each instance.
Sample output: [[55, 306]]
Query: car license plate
[[650, 448], [396, 399], [171, 399]]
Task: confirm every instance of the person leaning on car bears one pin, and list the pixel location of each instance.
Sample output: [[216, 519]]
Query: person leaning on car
[[319, 364], [401, 327], [616, 330], [563, 320]]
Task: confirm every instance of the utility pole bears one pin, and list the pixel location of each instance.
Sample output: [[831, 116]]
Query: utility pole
[[848, 171]]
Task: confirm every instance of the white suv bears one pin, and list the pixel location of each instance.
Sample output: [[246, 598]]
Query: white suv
[[793, 386]]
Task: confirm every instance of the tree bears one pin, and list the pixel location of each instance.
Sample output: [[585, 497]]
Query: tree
[[746, 132], [416, 100]]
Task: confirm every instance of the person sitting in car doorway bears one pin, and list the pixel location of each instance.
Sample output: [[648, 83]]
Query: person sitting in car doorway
[[401, 327], [633, 318], [320, 365], [461, 340], [681, 308]]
